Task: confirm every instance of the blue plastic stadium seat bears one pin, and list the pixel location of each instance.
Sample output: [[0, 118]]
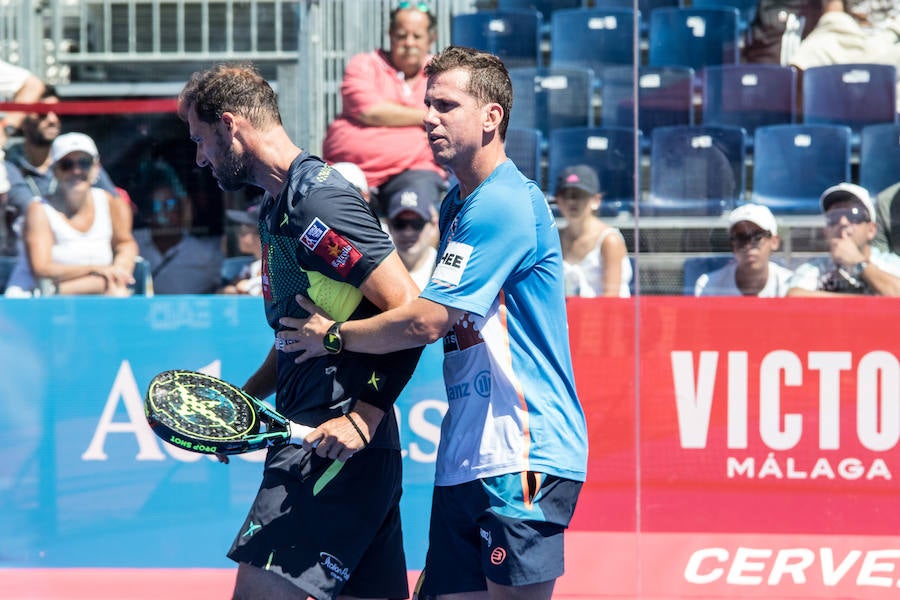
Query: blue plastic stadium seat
[[525, 148], [749, 95], [665, 97], [695, 170], [693, 37], [879, 157], [855, 95], [794, 164], [592, 37], [513, 35], [695, 266], [551, 98]]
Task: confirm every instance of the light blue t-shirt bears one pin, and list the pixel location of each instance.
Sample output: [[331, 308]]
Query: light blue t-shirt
[[507, 365]]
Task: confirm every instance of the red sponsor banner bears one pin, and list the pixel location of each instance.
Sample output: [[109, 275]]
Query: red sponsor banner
[[762, 457]]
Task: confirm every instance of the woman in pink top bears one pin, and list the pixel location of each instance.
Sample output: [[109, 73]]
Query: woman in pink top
[[383, 96]]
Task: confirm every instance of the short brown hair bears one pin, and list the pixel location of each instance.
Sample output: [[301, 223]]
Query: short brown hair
[[237, 88], [489, 80]]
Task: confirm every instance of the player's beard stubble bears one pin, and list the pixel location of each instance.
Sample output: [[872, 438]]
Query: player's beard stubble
[[232, 172]]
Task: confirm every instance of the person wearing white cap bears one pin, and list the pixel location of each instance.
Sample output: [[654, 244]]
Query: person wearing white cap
[[353, 174], [853, 265], [78, 239], [754, 237]]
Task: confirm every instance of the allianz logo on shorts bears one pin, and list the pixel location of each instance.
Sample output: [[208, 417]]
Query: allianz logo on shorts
[[334, 566]]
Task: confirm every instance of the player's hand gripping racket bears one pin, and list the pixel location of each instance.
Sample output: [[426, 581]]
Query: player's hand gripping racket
[[205, 414]]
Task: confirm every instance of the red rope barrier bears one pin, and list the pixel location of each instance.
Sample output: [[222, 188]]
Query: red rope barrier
[[95, 107]]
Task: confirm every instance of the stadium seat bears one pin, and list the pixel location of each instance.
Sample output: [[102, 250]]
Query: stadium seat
[[748, 95], [693, 37], [513, 35], [143, 278], [547, 8], [232, 265], [645, 7], [879, 157], [794, 164], [525, 148], [592, 37], [665, 97], [609, 150], [746, 9], [695, 266], [695, 170], [6, 266], [552, 97], [855, 95]]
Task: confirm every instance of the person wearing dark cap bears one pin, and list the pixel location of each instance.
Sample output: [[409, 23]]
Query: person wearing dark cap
[[595, 258], [249, 280], [412, 223], [853, 265]]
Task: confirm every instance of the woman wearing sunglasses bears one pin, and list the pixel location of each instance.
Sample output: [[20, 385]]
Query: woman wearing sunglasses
[[76, 240]]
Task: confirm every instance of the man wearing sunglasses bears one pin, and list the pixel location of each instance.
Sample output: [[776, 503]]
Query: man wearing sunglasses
[[412, 223], [853, 266], [754, 237]]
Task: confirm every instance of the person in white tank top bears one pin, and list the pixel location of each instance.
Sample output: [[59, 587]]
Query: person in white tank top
[[595, 259], [78, 240]]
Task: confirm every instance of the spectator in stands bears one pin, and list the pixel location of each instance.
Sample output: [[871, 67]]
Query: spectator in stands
[[180, 263], [77, 239], [887, 216], [381, 127], [777, 29], [412, 224], [249, 280], [840, 37], [28, 162], [16, 85], [853, 265], [595, 260], [356, 177], [754, 237]]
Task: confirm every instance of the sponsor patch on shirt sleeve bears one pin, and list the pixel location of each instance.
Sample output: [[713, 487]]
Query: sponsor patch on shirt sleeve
[[452, 263], [331, 247]]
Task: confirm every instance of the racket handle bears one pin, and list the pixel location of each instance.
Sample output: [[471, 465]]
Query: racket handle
[[298, 432]]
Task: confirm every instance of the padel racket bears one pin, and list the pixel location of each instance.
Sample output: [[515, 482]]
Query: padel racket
[[205, 414]]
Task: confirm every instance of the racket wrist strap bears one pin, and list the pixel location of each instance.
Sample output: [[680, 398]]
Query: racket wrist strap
[[362, 436]]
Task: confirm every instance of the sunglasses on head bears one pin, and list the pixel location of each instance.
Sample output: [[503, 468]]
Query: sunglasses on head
[[415, 224], [854, 216], [67, 164], [421, 6], [754, 239]]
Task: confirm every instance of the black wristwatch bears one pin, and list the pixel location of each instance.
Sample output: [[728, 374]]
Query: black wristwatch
[[859, 268], [332, 340]]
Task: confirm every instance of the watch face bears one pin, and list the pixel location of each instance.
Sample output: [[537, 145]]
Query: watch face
[[332, 340]]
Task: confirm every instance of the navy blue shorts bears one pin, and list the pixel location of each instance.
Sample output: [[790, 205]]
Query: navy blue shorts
[[328, 535], [507, 528]]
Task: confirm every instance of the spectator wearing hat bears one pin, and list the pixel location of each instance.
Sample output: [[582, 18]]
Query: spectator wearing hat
[[381, 125], [355, 176], [754, 237], [412, 225], [249, 280], [853, 265], [78, 239], [28, 162], [595, 260]]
